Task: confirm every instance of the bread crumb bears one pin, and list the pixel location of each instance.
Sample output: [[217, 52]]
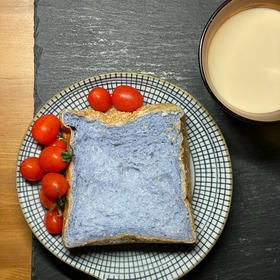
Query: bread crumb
[[164, 114], [145, 126], [173, 139], [158, 177], [174, 155], [169, 128], [171, 121], [169, 137], [103, 132]]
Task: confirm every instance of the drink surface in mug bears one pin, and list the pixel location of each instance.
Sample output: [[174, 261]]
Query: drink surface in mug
[[244, 60]]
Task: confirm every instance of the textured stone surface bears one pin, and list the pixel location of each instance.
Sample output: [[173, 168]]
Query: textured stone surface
[[77, 39]]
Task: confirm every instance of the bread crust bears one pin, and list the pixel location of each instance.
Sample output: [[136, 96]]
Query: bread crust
[[113, 117]]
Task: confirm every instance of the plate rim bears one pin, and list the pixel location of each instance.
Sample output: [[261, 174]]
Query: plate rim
[[163, 81]]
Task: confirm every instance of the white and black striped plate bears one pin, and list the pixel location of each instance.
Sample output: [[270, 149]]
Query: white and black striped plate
[[211, 194]]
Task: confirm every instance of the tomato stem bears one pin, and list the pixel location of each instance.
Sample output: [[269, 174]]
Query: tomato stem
[[59, 211], [59, 204], [52, 207], [67, 155]]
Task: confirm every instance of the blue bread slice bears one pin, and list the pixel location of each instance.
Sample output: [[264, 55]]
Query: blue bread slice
[[129, 178]]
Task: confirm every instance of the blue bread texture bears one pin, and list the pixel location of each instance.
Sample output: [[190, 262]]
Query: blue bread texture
[[127, 181]]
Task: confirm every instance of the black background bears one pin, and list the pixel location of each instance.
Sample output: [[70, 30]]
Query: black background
[[78, 39]]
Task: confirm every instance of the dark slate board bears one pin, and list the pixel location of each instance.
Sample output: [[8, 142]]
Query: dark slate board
[[78, 39]]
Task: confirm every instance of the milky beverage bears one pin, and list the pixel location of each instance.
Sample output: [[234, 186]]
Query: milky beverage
[[244, 60]]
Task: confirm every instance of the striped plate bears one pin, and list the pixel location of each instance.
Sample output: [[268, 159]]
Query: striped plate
[[212, 187]]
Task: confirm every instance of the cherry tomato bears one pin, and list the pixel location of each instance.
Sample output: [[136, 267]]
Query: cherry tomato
[[53, 221], [45, 129], [100, 99], [126, 98], [58, 143], [45, 200], [50, 159], [31, 170], [53, 183]]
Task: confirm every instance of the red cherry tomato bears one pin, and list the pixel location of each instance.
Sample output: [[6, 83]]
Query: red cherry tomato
[[45, 200], [58, 143], [100, 99], [53, 221], [126, 98], [52, 183], [31, 170], [45, 129], [50, 159]]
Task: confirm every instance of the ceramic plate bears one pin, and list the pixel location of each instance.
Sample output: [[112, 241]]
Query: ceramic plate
[[212, 187]]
